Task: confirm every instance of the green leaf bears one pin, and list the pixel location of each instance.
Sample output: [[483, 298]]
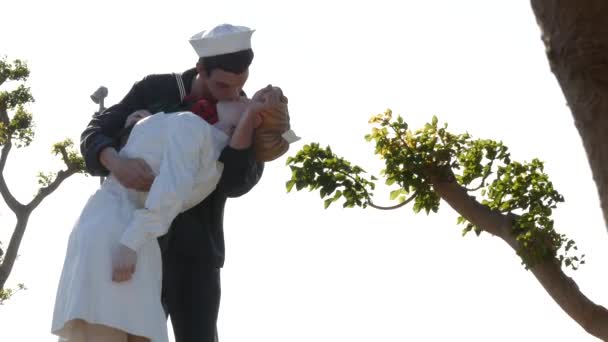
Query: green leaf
[[290, 185], [396, 193]]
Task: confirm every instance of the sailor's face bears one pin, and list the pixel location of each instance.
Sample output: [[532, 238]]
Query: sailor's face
[[226, 86]]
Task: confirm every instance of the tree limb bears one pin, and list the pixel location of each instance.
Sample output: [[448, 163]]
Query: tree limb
[[371, 204], [4, 114], [64, 156], [10, 200], [44, 192], [13, 246], [564, 291], [23, 213]]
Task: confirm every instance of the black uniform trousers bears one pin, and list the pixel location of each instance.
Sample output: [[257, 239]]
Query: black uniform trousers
[[193, 301]]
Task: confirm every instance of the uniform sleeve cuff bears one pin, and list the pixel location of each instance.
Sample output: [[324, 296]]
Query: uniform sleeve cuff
[[94, 163], [133, 238], [231, 155]]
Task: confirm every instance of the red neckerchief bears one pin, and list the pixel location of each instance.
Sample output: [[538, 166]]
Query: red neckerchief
[[206, 109]]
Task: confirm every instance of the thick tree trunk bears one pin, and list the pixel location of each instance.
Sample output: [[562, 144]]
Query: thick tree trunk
[[564, 291], [11, 253], [575, 34]]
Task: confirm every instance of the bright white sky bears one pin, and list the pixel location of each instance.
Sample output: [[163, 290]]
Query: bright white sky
[[296, 272]]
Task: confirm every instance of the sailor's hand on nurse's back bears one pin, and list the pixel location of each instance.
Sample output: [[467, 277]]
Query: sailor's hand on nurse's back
[[133, 174], [136, 116]]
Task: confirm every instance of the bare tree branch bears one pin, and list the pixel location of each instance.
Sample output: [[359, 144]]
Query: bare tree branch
[[371, 204], [10, 200], [23, 213], [44, 192]]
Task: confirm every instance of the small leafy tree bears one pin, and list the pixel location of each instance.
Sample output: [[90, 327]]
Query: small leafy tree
[[16, 129], [492, 193]]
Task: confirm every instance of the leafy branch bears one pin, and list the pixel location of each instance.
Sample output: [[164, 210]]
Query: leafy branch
[[416, 161]]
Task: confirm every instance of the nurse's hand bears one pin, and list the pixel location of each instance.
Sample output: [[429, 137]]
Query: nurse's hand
[[124, 260]]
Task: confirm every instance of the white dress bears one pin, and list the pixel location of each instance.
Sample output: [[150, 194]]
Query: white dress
[[182, 149]]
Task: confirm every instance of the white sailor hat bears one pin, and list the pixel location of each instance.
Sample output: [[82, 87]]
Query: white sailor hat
[[221, 39]]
